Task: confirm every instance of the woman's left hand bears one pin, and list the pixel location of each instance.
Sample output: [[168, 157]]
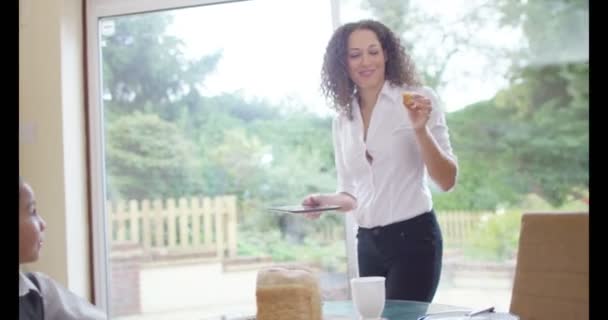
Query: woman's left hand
[[419, 109], [313, 200]]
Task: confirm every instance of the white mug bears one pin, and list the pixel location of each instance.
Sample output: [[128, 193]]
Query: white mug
[[368, 296]]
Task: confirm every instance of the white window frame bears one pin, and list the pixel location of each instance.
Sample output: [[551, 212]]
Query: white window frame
[[350, 224], [96, 10]]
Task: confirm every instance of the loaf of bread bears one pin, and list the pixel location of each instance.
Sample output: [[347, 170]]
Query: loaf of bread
[[287, 293]]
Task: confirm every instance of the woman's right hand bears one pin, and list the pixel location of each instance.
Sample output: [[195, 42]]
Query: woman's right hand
[[345, 201]]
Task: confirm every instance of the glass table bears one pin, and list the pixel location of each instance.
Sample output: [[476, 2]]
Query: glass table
[[393, 310]]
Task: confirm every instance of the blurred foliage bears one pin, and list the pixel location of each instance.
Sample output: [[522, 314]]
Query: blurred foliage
[[495, 238], [331, 257], [148, 157]]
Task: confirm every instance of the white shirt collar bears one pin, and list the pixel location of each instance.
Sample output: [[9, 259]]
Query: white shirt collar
[[25, 285], [389, 90]]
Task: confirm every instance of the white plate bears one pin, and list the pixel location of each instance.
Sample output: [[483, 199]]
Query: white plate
[[461, 315]]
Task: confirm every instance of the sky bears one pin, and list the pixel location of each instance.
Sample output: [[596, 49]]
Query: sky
[[273, 49]]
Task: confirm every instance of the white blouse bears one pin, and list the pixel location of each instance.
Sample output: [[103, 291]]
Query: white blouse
[[394, 186]]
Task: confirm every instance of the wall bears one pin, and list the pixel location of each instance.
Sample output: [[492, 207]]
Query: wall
[[52, 135]]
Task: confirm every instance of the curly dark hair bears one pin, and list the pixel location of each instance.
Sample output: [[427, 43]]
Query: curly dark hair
[[336, 84]]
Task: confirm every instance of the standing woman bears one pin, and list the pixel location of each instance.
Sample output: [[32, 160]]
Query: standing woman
[[389, 136]]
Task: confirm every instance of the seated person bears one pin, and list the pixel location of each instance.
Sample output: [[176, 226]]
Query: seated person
[[41, 297]]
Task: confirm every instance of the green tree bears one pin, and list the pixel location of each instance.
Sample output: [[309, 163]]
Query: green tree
[[148, 157], [145, 69], [551, 139], [299, 162], [550, 94], [146, 74], [531, 138], [242, 157], [433, 42]]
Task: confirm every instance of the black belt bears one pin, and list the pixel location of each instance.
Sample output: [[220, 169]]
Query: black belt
[[398, 225]]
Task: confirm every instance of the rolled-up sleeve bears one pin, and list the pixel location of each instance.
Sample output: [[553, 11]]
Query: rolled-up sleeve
[[438, 125], [344, 179], [439, 130]]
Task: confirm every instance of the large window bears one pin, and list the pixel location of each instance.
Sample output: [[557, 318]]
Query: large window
[[203, 116], [211, 114]]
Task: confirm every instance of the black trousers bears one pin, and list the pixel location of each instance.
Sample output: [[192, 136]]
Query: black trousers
[[407, 253]]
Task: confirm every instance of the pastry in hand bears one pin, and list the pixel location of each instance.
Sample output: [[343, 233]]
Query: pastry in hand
[[408, 99]]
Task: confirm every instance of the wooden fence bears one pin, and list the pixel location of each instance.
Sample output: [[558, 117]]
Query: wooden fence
[[182, 226], [210, 225]]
